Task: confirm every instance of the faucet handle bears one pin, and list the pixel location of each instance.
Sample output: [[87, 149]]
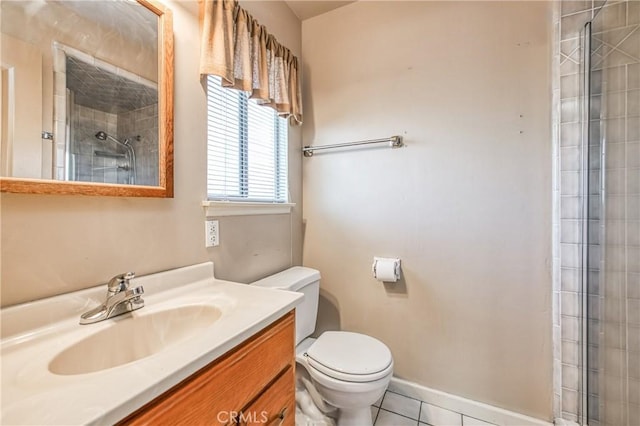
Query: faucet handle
[[119, 283]]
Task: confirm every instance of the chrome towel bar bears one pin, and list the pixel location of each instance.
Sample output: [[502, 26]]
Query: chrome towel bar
[[393, 141]]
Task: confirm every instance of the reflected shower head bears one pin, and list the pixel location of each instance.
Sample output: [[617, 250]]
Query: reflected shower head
[[103, 136], [130, 154]]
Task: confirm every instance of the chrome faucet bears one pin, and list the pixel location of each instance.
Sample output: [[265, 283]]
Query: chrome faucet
[[120, 299]]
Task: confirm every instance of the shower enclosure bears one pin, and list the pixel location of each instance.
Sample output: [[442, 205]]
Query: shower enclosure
[[611, 255]]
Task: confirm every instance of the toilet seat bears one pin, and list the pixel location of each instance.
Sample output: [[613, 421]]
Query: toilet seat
[[350, 357]]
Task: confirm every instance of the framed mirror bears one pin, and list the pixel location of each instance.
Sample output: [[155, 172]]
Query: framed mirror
[[86, 97]]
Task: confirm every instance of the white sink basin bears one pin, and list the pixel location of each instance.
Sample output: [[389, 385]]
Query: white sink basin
[[133, 337]]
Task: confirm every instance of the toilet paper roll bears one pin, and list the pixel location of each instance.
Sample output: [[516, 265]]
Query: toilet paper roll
[[386, 269]]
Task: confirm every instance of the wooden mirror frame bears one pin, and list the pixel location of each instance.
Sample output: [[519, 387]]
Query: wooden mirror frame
[[165, 137]]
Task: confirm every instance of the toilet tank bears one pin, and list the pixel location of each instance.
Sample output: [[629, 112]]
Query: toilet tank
[[303, 280]]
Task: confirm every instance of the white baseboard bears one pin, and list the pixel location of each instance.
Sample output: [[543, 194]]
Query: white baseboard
[[464, 406]]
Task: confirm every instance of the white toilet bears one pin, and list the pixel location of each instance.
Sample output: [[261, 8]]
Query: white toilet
[[350, 371]]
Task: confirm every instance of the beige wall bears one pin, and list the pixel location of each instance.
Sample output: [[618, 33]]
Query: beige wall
[[466, 204], [57, 244], [22, 110]]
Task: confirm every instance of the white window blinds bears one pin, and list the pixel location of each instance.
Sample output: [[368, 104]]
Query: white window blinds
[[247, 148]]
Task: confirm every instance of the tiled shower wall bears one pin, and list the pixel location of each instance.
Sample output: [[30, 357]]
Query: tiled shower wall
[[614, 293], [568, 217]]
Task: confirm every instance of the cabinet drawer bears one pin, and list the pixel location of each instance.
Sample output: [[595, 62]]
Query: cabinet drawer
[[215, 394], [275, 407]]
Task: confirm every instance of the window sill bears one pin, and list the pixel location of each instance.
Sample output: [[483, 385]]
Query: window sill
[[233, 208]]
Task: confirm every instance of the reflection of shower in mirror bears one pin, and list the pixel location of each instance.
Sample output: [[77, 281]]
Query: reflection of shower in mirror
[[130, 154], [85, 67], [105, 107]]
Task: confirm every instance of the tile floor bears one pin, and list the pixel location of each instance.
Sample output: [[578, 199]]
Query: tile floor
[[394, 409]]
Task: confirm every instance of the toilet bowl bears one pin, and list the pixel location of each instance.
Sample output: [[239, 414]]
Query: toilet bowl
[[349, 370]]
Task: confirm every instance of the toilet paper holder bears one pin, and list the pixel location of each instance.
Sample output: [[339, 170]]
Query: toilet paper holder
[[386, 269]]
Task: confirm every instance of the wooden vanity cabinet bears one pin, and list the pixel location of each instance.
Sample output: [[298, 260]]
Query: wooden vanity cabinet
[[253, 384]]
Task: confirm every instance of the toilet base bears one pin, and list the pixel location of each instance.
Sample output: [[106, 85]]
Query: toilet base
[[352, 399], [355, 417]]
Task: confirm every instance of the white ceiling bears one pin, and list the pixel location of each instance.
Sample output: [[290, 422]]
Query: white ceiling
[[125, 16], [305, 9]]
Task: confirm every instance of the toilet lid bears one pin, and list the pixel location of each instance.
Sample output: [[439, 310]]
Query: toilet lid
[[342, 353]]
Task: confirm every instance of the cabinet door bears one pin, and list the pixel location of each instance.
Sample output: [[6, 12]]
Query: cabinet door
[[216, 394], [275, 407]]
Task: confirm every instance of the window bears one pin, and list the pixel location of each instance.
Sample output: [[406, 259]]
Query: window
[[247, 148]]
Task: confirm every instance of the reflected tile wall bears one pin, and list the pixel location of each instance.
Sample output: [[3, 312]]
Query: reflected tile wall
[[142, 122], [95, 160], [104, 161]]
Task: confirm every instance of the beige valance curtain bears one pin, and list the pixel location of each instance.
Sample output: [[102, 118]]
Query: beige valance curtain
[[241, 51]]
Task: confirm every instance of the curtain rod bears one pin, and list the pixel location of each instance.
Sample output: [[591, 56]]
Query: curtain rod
[[393, 141]]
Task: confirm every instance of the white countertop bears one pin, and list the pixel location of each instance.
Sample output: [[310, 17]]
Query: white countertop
[[34, 333]]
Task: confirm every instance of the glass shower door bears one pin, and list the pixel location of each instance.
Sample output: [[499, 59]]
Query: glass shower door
[[613, 226]]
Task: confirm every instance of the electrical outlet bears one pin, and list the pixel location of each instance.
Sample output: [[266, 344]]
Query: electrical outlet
[[212, 233]]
